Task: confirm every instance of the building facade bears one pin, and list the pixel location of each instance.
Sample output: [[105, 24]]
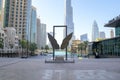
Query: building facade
[[1, 12], [42, 35], [12, 40], [108, 47], [111, 33], [38, 33], [114, 23], [117, 31], [1, 2], [69, 20], [17, 15], [33, 26], [84, 37], [102, 35], [95, 31], [74, 46]]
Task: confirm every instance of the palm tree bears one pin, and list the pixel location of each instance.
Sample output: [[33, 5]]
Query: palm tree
[[80, 48], [1, 42], [23, 43], [85, 45], [42, 48], [32, 47], [46, 47]]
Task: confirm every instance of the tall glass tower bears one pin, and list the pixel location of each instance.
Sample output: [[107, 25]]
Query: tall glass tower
[[95, 31], [69, 20], [69, 17], [33, 26]]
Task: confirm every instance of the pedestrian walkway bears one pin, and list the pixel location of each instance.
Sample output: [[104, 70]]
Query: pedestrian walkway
[[8, 61], [37, 69]]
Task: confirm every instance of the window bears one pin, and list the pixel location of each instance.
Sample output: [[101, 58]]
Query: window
[[2, 34]]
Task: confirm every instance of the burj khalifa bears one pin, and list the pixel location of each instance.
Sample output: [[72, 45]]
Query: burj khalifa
[[69, 17]]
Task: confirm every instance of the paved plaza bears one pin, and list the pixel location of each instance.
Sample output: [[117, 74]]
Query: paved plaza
[[35, 68]]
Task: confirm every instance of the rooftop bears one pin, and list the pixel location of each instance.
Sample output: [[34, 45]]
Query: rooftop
[[115, 22]]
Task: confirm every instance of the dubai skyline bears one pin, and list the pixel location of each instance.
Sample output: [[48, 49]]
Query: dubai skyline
[[84, 13]]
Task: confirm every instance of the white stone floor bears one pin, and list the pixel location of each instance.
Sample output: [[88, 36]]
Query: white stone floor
[[36, 69]]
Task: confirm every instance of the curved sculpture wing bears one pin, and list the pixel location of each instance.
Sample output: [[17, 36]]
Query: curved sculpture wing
[[66, 41], [53, 42]]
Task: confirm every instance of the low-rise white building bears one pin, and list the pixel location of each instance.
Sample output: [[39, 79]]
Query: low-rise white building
[[12, 40]]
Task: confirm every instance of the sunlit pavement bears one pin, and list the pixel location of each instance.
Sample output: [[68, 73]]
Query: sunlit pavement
[[35, 68]]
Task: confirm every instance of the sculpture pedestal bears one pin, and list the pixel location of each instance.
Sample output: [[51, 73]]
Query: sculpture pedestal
[[59, 58]]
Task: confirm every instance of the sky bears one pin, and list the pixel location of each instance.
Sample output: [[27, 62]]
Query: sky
[[51, 12]]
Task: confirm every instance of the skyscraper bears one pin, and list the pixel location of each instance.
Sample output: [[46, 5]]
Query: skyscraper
[[17, 15], [102, 35], [69, 17], [42, 35], [33, 26], [95, 31], [1, 12], [38, 33]]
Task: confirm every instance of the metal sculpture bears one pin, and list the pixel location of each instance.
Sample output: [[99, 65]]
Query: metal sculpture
[[65, 41]]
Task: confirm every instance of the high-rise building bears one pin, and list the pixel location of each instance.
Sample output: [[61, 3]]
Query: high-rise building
[[111, 33], [1, 12], [69, 19], [38, 33], [84, 37], [95, 31], [33, 26], [42, 35], [17, 15], [102, 35]]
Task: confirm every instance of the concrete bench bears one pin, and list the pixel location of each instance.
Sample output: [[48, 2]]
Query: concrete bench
[[59, 58]]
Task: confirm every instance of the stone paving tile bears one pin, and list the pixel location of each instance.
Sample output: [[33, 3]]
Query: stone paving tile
[[8, 61], [62, 75], [85, 69]]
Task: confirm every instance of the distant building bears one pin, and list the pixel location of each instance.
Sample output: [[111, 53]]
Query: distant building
[[33, 26], [102, 35], [95, 31], [17, 15], [1, 12], [108, 47], [38, 33], [69, 20], [74, 46], [84, 37], [42, 35], [111, 33]]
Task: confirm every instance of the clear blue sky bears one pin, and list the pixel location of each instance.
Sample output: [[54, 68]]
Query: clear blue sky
[[85, 12]]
